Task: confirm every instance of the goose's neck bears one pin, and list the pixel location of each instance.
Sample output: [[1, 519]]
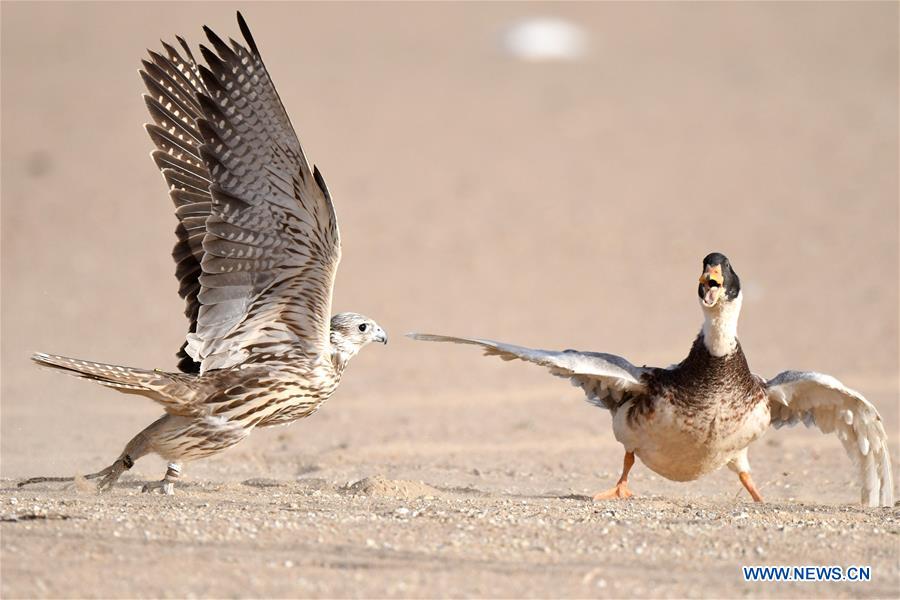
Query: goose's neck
[[720, 327]]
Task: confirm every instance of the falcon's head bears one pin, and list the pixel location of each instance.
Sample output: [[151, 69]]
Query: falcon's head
[[719, 284], [351, 331]]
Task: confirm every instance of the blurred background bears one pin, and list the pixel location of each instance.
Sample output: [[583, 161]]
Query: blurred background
[[545, 174]]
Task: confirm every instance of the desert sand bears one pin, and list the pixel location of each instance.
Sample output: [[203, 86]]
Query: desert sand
[[557, 205]]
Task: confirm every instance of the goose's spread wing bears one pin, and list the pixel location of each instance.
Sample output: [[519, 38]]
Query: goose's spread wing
[[258, 242], [607, 379], [822, 400]]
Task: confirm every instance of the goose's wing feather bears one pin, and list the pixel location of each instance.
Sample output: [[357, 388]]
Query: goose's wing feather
[[607, 379], [260, 245], [822, 400]]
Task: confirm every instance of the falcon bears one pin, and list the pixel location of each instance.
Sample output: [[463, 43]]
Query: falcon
[[695, 417], [257, 252]]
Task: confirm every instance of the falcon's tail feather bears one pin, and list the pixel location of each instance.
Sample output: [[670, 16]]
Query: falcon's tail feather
[[124, 379]]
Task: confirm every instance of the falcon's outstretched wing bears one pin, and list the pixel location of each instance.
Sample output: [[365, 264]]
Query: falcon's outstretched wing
[[258, 242], [607, 379], [173, 85], [822, 400]]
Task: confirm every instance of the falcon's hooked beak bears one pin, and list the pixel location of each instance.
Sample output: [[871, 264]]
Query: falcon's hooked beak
[[711, 285], [381, 336]]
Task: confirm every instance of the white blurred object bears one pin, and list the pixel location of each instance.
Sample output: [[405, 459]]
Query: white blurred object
[[545, 39]]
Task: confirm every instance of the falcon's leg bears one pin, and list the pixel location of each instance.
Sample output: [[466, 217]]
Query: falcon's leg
[[621, 490], [135, 449], [167, 484], [741, 466], [111, 474], [107, 476]]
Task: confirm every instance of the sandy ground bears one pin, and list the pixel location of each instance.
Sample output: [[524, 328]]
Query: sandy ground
[[556, 205]]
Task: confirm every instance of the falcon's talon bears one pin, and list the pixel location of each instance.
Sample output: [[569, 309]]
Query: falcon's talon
[[167, 488]]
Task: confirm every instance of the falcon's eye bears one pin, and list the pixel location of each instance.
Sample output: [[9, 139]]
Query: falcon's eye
[[363, 327]]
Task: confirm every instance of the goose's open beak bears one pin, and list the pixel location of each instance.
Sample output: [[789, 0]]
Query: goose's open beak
[[711, 285]]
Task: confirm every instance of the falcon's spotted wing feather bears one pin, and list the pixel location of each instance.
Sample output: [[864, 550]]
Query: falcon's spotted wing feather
[[822, 400], [260, 245], [173, 86], [607, 379]]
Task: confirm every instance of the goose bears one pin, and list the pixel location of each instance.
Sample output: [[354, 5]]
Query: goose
[[699, 415]]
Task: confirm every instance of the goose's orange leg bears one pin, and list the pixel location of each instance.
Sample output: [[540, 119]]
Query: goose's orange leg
[[748, 483], [621, 490]]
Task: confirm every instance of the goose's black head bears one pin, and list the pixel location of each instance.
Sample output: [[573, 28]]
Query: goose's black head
[[719, 282]]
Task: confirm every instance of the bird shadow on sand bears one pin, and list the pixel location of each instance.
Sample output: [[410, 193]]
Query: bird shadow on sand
[[373, 486], [379, 486]]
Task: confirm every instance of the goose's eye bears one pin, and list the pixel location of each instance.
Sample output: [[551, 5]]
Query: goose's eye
[[363, 327]]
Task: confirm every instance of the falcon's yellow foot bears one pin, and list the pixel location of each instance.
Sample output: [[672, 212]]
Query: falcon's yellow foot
[[621, 491]]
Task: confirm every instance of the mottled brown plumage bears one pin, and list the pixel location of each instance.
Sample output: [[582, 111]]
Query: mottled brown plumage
[[256, 255]]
